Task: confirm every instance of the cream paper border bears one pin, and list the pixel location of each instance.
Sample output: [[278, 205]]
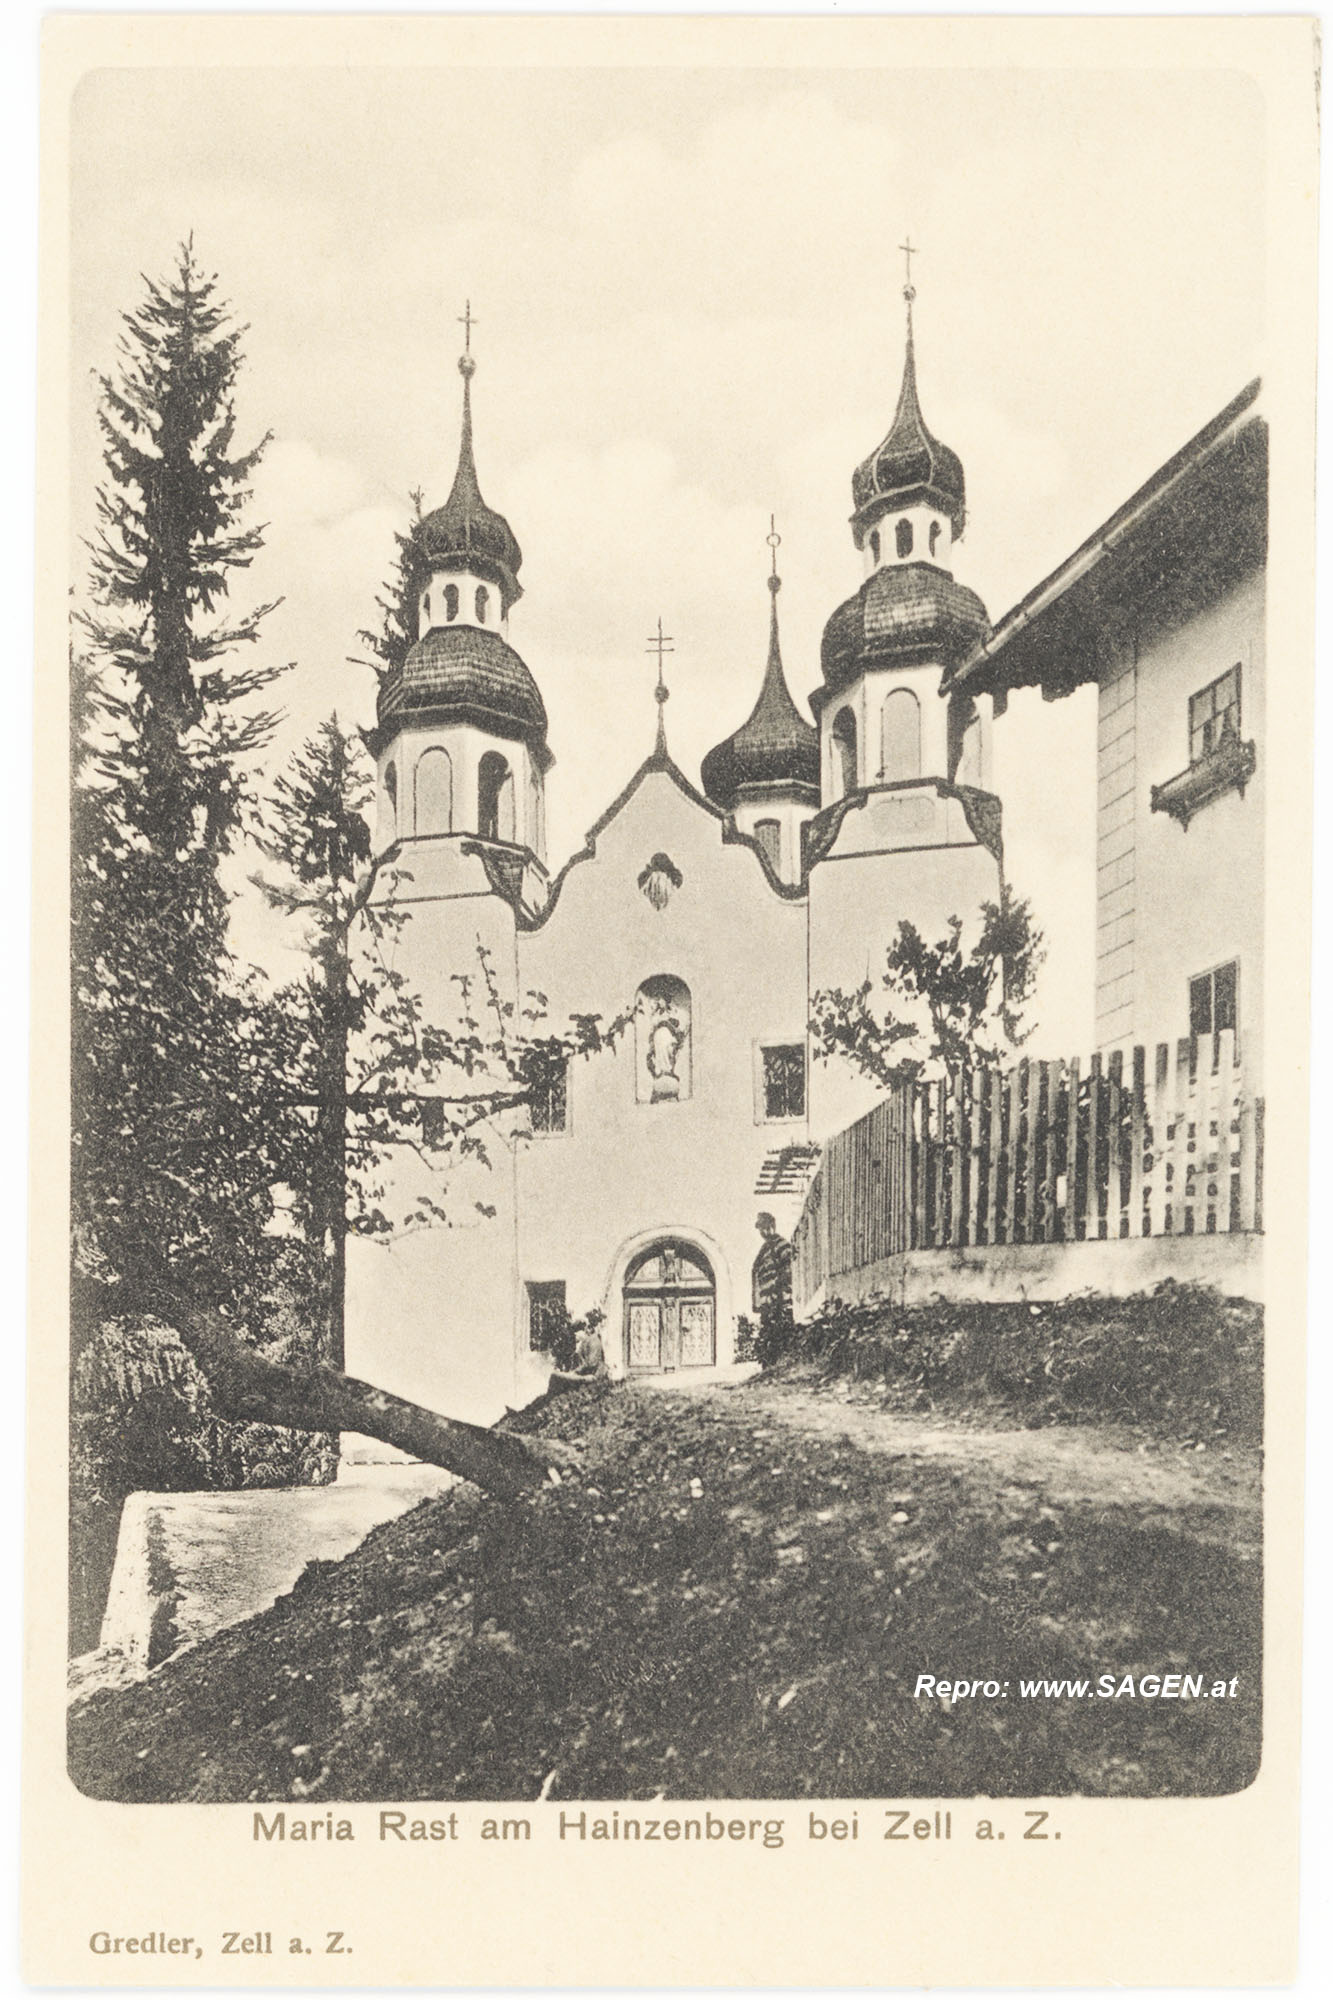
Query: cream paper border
[[1191, 1892]]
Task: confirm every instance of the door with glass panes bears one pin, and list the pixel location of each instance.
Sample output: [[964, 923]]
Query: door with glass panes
[[670, 1310]]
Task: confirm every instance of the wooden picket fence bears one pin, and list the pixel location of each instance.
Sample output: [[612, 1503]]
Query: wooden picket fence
[[1137, 1144]]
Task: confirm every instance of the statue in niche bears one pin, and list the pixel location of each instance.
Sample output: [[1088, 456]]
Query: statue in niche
[[666, 1038], [662, 1031]]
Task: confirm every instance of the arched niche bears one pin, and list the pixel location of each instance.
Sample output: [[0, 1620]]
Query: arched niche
[[900, 737], [663, 1035], [495, 798], [433, 786], [391, 797]]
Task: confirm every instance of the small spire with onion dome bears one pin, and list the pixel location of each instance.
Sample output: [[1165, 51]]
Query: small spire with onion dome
[[465, 532], [910, 466], [775, 750]]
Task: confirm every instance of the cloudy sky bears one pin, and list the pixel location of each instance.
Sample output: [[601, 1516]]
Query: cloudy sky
[[687, 287]]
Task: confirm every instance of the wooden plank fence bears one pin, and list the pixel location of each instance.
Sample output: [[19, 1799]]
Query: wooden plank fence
[[1167, 1143]]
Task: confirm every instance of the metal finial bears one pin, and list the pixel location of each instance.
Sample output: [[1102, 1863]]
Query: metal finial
[[467, 367], [774, 540]]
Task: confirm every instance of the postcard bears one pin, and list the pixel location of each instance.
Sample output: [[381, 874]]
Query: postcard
[[670, 1090]]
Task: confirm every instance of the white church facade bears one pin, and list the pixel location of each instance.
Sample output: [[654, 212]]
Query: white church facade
[[708, 913]]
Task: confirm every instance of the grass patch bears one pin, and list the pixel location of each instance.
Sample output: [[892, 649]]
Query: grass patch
[[717, 1606], [1180, 1360]]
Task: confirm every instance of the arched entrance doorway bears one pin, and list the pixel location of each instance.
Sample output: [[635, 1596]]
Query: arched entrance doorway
[[670, 1309]]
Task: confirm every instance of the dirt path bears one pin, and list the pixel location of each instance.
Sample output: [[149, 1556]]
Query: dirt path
[[1219, 1490]]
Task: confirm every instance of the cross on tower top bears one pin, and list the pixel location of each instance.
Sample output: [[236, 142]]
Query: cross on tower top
[[909, 251], [466, 321]]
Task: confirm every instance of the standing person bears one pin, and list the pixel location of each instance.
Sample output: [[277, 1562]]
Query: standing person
[[771, 1290]]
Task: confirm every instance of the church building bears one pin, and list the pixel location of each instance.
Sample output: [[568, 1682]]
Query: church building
[[708, 913]]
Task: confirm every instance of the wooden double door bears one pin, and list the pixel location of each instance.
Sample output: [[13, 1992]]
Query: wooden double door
[[670, 1310]]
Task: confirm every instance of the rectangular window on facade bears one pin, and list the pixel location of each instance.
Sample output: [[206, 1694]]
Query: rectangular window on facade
[[432, 1121], [1213, 1000], [1215, 715], [546, 1312], [782, 1081], [549, 1101]]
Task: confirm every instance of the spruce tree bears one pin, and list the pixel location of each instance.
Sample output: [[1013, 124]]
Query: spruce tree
[[169, 1162], [164, 1147]]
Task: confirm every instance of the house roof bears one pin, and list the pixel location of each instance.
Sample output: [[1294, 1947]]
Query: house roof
[[1190, 531]]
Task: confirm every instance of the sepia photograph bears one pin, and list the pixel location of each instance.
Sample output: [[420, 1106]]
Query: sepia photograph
[[670, 923], [761, 1295]]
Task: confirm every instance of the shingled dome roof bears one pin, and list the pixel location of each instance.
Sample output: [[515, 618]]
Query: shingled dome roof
[[774, 746], [906, 614], [910, 466], [465, 532], [468, 674]]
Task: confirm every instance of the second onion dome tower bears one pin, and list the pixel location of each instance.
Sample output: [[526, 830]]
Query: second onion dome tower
[[766, 775]]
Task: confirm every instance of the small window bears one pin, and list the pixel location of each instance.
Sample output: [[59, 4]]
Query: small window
[[934, 536], [874, 544], [1215, 715], [483, 599], [425, 607], [903, 538], [391, 791], [768, 832], [784, 1081], [432, 1122], [1213, 1000], [547, 1313], [451, 601], [547, 1078]]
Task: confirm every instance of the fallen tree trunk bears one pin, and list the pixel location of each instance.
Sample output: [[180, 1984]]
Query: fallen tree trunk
[[250, 1389]]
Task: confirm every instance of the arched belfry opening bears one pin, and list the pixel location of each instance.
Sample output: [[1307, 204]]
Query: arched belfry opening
[[843, 751], [495, 798], [434, 792], [670, 1299], [900, 737]]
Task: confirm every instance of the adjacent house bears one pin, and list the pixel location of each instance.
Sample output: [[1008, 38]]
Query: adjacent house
[[1163, 609]]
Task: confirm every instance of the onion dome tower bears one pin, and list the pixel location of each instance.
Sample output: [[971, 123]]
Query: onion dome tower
[[461, 740], [766, 774], [884, 651]]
